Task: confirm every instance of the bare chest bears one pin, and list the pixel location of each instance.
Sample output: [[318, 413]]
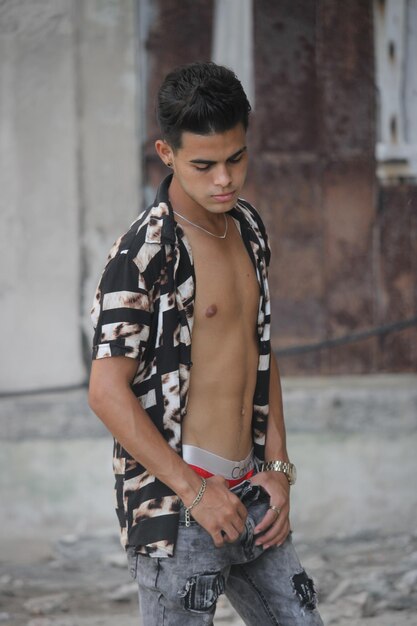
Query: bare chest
[[227, 290]]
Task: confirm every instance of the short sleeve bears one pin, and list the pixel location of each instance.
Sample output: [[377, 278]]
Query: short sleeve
[[121, 310], [262, 234], [267, 246]]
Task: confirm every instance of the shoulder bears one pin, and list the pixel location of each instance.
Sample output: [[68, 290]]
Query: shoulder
[[254, 220], [142, 242], [251, 215]]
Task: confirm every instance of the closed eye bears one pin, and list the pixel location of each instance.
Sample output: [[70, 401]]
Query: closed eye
[[202, 168], [236, 159]]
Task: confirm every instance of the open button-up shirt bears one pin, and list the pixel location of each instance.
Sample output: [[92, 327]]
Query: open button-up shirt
[[144, 309]]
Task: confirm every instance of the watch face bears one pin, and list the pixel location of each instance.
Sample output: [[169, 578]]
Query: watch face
[[293, 474]]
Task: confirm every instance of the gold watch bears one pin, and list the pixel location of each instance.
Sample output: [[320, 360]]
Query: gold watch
[[281, 466]]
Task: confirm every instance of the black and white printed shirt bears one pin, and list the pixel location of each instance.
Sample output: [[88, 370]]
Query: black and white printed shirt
[[144, 309]]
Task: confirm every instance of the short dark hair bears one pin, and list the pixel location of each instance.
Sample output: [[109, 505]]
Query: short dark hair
[[201, 98]]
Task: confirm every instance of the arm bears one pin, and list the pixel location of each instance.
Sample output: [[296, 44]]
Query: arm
[[112, 399], [275, 528]]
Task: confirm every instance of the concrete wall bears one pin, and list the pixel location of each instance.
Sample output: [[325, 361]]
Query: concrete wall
[[353, 440], [69, 175], [110, 132], [40, 269]]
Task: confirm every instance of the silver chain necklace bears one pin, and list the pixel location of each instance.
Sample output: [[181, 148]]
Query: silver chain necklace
[[204, 229]]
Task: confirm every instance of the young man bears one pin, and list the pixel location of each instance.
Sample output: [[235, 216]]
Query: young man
[[184, 379]]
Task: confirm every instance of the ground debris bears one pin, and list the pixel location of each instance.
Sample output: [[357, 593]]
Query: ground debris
[[44, 605], [60, 621], [364, 580], [116, 559], [124, 593]]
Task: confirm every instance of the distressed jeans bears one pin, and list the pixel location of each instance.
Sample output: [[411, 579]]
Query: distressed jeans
[[264, 586]]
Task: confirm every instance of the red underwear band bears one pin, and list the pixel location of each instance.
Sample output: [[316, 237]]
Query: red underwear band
[[232, 482]]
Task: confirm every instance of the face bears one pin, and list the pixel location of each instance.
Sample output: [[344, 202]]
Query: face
[[209, 170]]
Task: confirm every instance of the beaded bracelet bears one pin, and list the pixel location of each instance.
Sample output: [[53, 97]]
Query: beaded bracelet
[[194, 502]]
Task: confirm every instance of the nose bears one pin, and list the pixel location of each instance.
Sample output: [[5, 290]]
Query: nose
[[222, 176]]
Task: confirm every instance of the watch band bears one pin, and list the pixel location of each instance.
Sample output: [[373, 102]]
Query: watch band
[[280, 466]]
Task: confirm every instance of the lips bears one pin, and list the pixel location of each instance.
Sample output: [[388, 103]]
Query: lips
[[224, 197]]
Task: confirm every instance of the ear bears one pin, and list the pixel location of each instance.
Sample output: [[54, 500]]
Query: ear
[[164, 152]]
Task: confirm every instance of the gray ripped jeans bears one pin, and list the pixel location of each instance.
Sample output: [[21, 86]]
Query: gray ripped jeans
[[265, 586]]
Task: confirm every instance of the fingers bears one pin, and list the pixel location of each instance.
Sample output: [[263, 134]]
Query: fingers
[[273, 537], [276, 509], [220, 512], [223, 515], [227, 535], [268, 520], [218, 539], [273, 529], [231, 529]]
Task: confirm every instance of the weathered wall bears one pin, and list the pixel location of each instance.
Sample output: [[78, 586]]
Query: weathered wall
[[347, 436], [312, 145], [40, 269], [70, 149], [110, 134], [396, 293], [176, 33], [69, 175], [315, 175]]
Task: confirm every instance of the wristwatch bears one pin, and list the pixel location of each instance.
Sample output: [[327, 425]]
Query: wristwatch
[[281, 466]]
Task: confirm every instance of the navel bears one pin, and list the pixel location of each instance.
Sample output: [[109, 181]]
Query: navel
[[211, 310]]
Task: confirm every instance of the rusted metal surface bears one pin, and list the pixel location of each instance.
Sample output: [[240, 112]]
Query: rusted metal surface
[[396, 297], [315, 174], [285, 75], [180, 32], [338, 265], [345, 77], [348, 211]]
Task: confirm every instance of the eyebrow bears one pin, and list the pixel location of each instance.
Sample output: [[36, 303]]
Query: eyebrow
[[230, 158]]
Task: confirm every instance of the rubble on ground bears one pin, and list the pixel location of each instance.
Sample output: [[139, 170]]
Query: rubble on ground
[[363, 580]]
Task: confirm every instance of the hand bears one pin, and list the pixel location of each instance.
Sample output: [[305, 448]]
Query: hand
[[274, 527], [220, 512]]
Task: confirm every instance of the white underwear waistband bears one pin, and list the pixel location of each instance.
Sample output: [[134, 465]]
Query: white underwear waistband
[[231, 470]]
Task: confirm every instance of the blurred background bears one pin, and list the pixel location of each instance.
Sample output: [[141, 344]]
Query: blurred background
[[333, 172]]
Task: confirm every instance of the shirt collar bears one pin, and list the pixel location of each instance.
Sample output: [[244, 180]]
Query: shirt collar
[[161, 222], [162, 225]]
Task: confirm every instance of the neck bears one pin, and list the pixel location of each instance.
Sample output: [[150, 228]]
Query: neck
[[186, 206]]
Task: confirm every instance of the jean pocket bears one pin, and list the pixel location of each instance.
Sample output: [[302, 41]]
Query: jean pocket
[[202, 590]]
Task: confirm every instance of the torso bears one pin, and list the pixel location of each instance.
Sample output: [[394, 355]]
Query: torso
[[224, 345]]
